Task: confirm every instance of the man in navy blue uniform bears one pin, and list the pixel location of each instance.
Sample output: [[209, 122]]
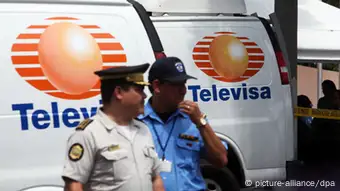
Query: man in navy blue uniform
[[180, 130]]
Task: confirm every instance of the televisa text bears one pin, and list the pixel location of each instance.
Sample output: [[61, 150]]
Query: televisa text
[[54, 116]]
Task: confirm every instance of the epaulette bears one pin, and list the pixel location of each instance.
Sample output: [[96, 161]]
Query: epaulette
[[83, 124]]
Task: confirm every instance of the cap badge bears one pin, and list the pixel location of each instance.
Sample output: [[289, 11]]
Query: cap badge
[[179, 66]]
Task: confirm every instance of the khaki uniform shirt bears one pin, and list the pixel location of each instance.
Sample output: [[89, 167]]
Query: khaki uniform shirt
[[102, 157]]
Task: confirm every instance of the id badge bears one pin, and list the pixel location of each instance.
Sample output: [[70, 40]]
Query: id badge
[[166, 166]]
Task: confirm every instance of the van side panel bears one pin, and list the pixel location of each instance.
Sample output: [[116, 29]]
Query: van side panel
[[36, 115], [290, 150], [248, 111]]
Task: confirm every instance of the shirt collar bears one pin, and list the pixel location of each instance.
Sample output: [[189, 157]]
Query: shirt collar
[[149, 112], [108, 123]]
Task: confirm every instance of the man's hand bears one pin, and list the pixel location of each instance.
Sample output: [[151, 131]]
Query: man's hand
[[157, 183], [71, 185], [216, 152], [192, 109]]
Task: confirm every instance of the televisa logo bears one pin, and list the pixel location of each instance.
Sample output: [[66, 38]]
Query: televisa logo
[[228, 57], [58, 56]]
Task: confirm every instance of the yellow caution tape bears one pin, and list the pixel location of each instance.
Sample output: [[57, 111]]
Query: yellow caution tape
[[317, 113]]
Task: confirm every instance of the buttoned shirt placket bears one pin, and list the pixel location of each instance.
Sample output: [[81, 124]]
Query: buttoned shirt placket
[[121, 133]]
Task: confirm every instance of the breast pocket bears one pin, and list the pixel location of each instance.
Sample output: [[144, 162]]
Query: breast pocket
[[118, 163], [188, 153], [149, 156]]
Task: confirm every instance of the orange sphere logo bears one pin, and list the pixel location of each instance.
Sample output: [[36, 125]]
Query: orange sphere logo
[[227, 57], [59, 56]]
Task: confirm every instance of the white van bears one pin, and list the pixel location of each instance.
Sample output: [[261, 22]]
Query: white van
[[50, 48]]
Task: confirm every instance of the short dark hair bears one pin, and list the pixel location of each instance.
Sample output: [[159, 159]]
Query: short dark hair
[[108, 86]]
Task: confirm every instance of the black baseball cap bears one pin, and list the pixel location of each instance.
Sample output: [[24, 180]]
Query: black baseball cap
[[170, 69]]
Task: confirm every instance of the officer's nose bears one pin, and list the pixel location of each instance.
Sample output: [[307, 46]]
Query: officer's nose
[[143, 95]]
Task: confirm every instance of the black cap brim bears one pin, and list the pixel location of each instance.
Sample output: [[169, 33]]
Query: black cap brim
[[179, 78]]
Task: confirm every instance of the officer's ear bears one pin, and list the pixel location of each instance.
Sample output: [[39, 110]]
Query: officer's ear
[[156, 86], [119, 91]]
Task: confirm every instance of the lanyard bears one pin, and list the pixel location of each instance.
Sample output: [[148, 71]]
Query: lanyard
[[167, 141]]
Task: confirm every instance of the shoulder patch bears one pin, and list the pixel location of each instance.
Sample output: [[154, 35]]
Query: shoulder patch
[[76, 152], [83, 124]]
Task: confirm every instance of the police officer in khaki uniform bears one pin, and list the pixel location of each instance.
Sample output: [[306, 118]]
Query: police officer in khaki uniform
[[113, 151]]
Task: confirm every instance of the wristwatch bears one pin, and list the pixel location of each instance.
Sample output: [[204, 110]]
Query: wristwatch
[[203, 121]]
